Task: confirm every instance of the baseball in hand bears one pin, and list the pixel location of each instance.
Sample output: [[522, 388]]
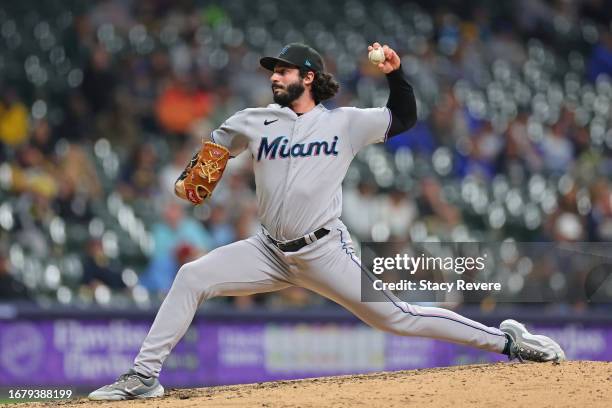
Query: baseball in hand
[[376, 56]]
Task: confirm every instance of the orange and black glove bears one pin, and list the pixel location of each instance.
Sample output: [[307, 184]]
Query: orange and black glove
[[202, 174]]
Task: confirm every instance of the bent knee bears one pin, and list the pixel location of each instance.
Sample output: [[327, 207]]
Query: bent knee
[[196, 277], [190, 276]]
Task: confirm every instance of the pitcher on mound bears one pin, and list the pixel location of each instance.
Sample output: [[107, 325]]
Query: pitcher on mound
[[301, 152]]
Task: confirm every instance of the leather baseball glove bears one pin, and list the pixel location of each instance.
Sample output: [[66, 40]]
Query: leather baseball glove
[[202, 174]]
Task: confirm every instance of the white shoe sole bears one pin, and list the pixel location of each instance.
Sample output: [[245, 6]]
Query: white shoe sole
[[523, 336], [154, 393]]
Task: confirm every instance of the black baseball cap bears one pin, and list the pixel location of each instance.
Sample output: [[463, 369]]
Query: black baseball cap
[[300, 55]]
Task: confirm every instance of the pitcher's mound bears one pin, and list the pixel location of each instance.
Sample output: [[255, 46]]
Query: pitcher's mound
[[569, 384]]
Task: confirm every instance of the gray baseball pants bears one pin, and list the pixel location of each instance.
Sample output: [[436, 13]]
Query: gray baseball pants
[[328, 267]]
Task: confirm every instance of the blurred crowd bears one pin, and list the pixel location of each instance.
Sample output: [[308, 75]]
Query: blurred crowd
[[103, 103]]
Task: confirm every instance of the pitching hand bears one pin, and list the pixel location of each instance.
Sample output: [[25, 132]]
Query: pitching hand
[[392, 60]]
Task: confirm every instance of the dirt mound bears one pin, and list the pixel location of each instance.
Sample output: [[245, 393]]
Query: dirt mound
[[570, 384]]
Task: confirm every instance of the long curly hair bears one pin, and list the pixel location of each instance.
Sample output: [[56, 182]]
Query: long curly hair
[[324, 85]]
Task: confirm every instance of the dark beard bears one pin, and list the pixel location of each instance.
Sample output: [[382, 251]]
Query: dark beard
[[292, 92]]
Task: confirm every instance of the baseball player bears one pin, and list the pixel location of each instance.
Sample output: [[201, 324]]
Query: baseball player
[[301, 152]]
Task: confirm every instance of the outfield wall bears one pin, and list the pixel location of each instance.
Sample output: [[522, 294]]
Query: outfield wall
[[86, 348]]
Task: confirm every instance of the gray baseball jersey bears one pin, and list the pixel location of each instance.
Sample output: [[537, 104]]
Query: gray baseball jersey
[[300, 161]]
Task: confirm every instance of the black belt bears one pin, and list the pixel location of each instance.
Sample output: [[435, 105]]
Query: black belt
[[297, 244]]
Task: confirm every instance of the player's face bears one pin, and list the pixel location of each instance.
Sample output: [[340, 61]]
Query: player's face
[[287, 85]]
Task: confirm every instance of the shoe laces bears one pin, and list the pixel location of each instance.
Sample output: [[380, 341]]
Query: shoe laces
[[523, 353], [125, 377]]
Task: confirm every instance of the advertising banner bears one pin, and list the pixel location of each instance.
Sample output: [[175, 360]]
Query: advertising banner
[[75, 352]]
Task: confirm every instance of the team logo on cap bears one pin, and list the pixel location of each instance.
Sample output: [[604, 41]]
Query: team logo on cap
[[284, 50], [307, 63]]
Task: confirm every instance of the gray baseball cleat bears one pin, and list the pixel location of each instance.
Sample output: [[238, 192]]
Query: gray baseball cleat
[[130, 385], [530, 347]]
